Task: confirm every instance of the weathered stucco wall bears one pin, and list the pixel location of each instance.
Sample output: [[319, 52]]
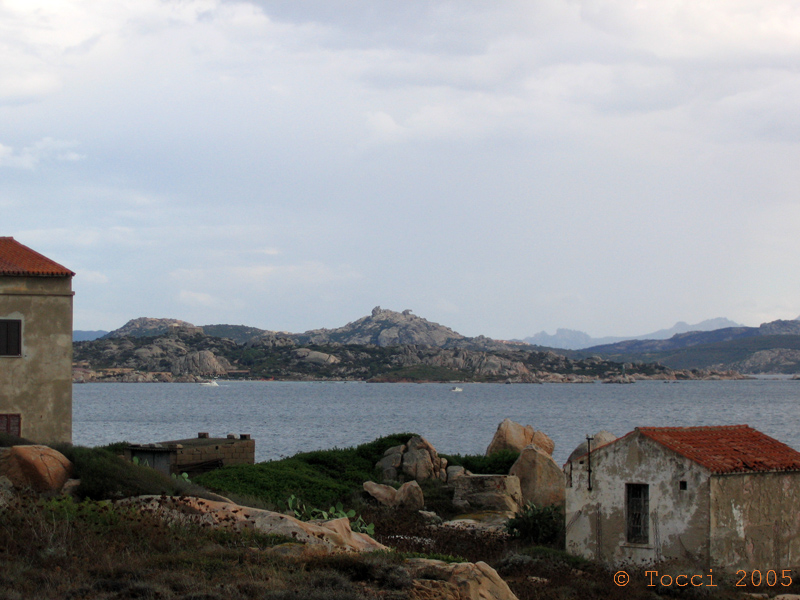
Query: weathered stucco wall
[[678, 519], [755, 520], [38, 384]]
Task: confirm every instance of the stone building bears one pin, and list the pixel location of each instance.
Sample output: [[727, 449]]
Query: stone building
[[35, 345], [726, 497], [195, 455]]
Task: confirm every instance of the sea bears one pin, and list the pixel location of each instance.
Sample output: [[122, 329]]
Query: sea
[[285, 418]]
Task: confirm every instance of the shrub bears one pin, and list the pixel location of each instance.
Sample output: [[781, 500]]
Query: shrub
[[6, 440], [538, 525], [105, 475], [319, 479], [498, 463]]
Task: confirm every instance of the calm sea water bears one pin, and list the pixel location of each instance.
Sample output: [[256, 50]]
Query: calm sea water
[[285, 418]]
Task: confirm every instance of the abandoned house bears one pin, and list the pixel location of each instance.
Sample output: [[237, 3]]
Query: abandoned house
[[195, 455], [726, 497], [35, 345]]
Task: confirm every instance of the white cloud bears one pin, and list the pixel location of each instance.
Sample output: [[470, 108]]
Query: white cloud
[[30, 156], [700, 28], [312, 272], [199, 299]]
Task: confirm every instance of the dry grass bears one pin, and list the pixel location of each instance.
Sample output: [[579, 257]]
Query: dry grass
[[59, 549]]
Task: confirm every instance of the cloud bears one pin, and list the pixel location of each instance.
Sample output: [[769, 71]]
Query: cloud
[[312, 272], [30, 156], [199, 299]]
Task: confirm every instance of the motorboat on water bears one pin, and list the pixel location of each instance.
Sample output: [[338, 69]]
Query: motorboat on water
[[212, 383], [457, 389]]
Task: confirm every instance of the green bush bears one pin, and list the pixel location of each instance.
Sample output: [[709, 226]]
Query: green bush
[[541, 525], [105, 475], [7, 440], [319, 479], [498, 463]]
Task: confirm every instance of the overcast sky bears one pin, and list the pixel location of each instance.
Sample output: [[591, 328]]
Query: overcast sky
[[501, 168]]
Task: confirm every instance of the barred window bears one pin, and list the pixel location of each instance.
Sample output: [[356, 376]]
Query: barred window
[[10, 337], [637, 509], [10, 424]]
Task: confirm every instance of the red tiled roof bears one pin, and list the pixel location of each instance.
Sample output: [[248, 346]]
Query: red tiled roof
[[727, 449], [17, 260]]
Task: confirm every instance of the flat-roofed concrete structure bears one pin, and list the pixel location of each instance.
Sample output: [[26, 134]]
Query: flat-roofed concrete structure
[[195, 455]]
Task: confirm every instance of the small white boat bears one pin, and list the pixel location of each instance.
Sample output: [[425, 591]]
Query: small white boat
[[209, 383], [457, 389]]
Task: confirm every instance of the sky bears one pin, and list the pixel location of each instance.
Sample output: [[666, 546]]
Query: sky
[[501, 168]]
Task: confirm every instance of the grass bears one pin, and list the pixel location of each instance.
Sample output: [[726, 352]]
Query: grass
[[319, 479]]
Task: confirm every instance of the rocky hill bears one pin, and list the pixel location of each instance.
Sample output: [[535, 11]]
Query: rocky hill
[[380, 328], [147, 327], [770, 348], [386, 328], [185, 355]]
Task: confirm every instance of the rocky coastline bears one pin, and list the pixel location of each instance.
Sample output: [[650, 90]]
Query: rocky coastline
[[384, 347]]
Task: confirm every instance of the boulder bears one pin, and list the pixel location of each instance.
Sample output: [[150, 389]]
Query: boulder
[[417, 460], [473, 581], [410, 496], [541, 480], [456, 471], [331, 536], [513, 436], [389, 465], [601, 438], [39, 468], [421, 461], [384, 494], [487, 492], [319, 358]]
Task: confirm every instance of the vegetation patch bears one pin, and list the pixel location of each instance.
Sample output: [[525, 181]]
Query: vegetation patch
[[422, 373], [499, 463], [318, 479], [104, 474], [540, 525]]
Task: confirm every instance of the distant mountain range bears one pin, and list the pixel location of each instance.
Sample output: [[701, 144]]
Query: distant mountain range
[[770, 348], [384, 346], [381, 328], [570, 339]]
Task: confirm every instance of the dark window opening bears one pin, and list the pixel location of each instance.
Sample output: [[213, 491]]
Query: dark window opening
[[637, 510], [10, 337], [682, 485], [11, 424]]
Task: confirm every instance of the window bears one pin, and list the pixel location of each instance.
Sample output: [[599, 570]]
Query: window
[[10, 424], [10, 337], [637, 509], [682, 486]]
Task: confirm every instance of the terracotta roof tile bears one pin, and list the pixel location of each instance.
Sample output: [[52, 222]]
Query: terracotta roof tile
[[17, 260], [727, 449]]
